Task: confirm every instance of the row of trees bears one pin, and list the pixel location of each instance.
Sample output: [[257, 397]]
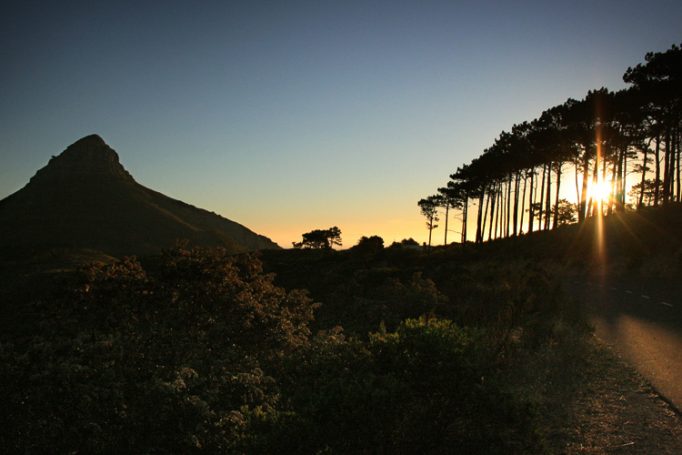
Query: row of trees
[[515, 185]]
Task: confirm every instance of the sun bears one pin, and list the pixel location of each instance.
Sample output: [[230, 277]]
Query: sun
[[601, 191]]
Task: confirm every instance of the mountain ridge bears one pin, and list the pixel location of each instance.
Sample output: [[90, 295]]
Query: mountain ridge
[[85, 199]]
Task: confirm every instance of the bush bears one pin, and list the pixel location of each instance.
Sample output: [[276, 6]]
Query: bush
[[371, 297], [369, 246], [428, 387], [169, 359]]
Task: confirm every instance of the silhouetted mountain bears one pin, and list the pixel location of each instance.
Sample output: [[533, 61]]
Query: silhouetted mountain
[[84, 199]]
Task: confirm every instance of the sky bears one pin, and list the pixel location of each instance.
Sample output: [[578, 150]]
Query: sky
[[293, 116]]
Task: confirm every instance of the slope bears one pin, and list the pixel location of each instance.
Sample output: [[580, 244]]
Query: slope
[[85, 199]]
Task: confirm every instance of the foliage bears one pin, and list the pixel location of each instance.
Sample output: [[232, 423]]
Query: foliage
[[372, 297], [320, 239], [646, 192], [172, 358], [565, 212], [198, 351], [373, 243], [429, 208], [405, 243], [427, 387]]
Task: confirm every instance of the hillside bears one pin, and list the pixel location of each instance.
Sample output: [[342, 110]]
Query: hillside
[[85, 200]]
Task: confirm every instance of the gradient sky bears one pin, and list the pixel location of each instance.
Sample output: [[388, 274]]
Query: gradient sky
[[290, 116]]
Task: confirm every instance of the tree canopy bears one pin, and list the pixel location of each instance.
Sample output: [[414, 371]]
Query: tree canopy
[[320, 239]]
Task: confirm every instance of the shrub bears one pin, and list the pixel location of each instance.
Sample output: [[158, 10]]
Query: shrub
[[428, 387], [168, 359]]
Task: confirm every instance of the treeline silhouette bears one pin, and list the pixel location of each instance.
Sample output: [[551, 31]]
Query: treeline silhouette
[[514, 186]]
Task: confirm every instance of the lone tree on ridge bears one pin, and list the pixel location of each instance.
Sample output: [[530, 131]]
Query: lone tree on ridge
[[320, 239]]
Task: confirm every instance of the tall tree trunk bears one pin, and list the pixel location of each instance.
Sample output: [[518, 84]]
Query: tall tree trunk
[[523, 203], [542, 196], [624, 180], [595, 180], [447, 212], [577, 188], [430, 229], [642, 182], [499, 216], [677, 162], [485, 213], [492, 198], [465, 212], [666, 174], [500, 211], [508, 217], [503, 210], [657, 181], [556, 198], [531, 209], [583, 192], [620, 187], [548, 198], [603, 179], [479, 217], [499, 207], [517, 182], [614, 183], [674, 164]]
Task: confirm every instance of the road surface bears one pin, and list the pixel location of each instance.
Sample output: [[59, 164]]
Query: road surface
[[642, 320]]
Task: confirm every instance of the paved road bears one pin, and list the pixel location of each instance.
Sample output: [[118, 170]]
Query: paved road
[[642, 320]]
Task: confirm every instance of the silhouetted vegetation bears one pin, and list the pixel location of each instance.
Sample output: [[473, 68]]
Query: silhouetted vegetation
[[199, 351], [169, 358], [369, 246], [429, 208], [428, 387], [320, 239], [602, 140]]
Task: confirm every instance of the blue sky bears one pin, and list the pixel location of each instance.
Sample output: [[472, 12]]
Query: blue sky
[[290, 116]]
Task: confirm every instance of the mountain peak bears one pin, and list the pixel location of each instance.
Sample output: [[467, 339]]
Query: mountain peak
[[88, 157], [85, 199], [90, 149], [90, 141]]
